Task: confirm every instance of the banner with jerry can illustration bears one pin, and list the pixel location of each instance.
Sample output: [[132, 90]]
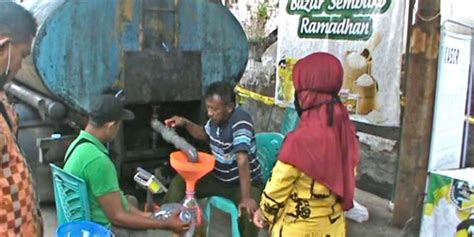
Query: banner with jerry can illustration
[[366, 36], [449, 205]]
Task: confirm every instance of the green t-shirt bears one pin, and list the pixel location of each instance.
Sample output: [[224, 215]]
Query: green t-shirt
[[90, 161]]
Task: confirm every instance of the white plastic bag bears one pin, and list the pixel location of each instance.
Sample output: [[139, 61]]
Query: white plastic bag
[[358, 213]]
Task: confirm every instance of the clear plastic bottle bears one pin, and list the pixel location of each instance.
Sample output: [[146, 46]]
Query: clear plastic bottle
[[169, 209], [191, 205]]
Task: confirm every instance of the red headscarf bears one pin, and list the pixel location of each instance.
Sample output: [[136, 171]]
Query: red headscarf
[[324, 145]]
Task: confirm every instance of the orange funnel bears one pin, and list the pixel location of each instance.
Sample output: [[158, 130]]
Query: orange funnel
[[192, 172]]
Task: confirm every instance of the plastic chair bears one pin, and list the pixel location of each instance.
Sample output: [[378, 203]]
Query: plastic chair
[[268, 146], [70, 193], [290, 121], [224, 205], [82, 229]]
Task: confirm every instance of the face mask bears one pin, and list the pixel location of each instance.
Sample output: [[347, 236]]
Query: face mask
[[297, 105], [4, 76]]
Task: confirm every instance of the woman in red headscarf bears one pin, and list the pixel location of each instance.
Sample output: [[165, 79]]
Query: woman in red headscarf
[[313, 181]]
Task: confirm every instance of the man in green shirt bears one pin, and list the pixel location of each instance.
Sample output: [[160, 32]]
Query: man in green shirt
[[88, 158]]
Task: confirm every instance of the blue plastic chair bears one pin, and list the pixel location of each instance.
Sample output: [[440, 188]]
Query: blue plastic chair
[[290, 121], [71, 197], [82, 229], [268, 146]]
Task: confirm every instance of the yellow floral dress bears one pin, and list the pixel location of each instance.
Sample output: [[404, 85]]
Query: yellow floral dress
[[296, 206]]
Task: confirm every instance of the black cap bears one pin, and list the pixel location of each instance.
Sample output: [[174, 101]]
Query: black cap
[[107, 108]]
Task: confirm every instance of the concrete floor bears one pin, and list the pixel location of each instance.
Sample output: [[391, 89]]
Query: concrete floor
[[377, 225], [379, 218]]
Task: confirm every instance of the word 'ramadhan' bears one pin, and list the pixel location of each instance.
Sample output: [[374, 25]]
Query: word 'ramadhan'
[[342, 28]]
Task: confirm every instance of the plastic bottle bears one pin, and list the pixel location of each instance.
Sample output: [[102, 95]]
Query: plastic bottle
[[191, 205], [169, 209]]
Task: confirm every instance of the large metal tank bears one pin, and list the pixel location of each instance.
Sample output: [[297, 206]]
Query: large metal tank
[[84, 47], [163, 54]]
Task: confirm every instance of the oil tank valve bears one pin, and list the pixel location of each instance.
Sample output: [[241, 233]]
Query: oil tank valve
[[149, 181]]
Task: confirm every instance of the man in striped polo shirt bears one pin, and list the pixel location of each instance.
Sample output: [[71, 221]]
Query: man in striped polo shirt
[[230, 134]]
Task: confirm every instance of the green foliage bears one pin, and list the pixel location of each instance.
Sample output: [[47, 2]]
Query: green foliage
[[262, 10]]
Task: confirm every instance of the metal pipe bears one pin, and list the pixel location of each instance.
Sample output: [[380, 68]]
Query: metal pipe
[[421, 75], [172, 137], [44, 105]]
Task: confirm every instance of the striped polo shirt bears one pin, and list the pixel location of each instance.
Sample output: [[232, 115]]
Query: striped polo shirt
[[226, 139]]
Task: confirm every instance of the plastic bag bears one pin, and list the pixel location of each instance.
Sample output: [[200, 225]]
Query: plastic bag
[[358, 213]]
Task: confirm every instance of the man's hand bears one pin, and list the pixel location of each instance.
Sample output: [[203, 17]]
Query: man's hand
[[249, 205], [146, 214], [195, 130], [173, 223], [259, 220], [175, 121]]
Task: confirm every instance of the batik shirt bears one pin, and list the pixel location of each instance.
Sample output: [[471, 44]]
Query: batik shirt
[[19, 215], [294, 204]]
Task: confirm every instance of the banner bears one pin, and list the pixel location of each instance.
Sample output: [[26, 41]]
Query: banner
[[449, 206], [366, 36], [450, 102]]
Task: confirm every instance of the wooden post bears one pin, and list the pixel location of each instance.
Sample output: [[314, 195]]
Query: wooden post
[[421, 74]]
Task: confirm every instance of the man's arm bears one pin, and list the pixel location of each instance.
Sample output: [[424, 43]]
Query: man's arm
[[135, 210], [243, 134], [104, 185], [111, 203], [195, 130], [244, 172]]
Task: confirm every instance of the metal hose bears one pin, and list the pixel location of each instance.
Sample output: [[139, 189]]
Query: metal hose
[[172, 137]]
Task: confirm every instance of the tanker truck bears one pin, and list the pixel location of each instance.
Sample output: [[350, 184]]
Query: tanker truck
[[158, 55]]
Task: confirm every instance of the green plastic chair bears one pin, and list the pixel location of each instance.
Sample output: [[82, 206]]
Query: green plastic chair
[[290, 121], [268, 146], [71, 197], [224, 205]]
